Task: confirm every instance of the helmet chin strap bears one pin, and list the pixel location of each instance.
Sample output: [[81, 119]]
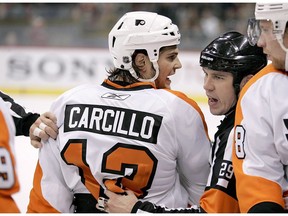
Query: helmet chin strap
[[280, 41], [133, 73]]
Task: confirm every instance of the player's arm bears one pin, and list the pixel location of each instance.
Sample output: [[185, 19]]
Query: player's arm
[[50, 193], [25, 120], [22, 119], [193, 152], [130, 204]]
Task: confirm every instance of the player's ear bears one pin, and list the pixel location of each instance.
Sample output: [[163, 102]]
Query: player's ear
[[140, 60], [245, 80], [143, 66]]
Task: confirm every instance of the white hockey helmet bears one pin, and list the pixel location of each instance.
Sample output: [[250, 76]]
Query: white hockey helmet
[[277, 13], [141, 30]]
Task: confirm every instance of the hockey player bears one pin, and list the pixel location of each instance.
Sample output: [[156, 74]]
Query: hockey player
[[228, 63], [260, 157], [126, 133], [8, 179]]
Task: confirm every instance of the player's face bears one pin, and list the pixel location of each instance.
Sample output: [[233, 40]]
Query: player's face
[[219, 89], [271, 46], [168, 63]]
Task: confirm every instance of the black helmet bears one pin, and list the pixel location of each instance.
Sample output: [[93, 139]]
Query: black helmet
[[232, 53]]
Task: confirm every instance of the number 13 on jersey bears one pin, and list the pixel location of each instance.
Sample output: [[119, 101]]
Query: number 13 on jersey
[[136, 164]]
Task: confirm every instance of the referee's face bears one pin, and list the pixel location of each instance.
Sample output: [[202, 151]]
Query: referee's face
[[219, 89], [168, 64]]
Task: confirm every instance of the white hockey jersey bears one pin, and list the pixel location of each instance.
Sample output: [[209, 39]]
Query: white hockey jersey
[[261, 140], [8, 179], [151, 141]]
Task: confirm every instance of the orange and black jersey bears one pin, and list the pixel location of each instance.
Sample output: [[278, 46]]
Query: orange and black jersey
[[22, 119]]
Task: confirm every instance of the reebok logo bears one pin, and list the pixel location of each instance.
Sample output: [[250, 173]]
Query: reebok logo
[[115, 96]]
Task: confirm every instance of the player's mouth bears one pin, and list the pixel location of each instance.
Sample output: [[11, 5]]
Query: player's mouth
[[168, 80], [212, 101]]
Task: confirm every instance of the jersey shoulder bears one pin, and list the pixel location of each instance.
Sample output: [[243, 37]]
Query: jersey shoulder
[[263, 75]]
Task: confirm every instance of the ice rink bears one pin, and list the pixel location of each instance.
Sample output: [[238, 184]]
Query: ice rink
[[26, 155]]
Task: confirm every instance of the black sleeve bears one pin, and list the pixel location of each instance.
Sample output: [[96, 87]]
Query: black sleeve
[[152, 208], [22, 119], [267, 207]]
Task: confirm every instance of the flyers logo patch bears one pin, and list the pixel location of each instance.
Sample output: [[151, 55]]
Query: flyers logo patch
[[139, 22], [115, 96]]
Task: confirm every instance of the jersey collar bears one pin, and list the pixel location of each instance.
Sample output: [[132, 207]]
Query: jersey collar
[[118, 85]]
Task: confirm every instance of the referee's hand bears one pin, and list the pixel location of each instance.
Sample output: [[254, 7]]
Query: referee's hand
[[43, 128]]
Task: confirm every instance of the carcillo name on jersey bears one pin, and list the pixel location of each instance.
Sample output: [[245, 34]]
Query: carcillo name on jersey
[[113, 121]]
